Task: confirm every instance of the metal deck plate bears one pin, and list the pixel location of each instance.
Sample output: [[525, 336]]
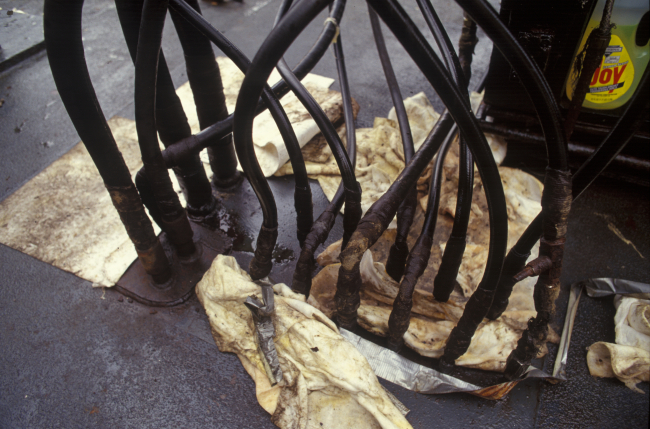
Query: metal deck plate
[[137, 284]]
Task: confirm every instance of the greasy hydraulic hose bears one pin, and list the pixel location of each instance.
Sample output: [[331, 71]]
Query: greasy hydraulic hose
[[590, 59], [271, 51], [556, 199], [352, 189], [207, 88], [171, 123], [446, 48], [377, 219], [172, 215], [347, 298], [452, 257], [195, 143], [622, 132], [455, 247], [302, 194], [399, 320], [321, 228], [399, 251], [62, 29], [466, 45], [400, 316]]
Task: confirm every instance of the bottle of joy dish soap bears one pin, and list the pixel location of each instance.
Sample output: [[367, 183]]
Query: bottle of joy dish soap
[[625, 59]]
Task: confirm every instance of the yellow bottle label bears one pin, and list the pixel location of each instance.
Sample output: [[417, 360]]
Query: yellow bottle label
[[612, 79]]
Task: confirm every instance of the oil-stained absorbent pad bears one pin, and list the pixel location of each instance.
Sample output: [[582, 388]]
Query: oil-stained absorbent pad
[[326, 382], [628, 359]]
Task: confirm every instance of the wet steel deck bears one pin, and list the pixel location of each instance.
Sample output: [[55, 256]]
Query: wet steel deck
[[72, 356]]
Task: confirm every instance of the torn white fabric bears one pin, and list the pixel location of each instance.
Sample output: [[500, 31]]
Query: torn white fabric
[[327, 383]]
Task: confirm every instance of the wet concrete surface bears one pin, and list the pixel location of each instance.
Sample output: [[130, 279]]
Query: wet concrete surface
[[73, 356]]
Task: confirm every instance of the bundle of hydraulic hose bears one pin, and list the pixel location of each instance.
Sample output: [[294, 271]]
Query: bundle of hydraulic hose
[[229, 139]]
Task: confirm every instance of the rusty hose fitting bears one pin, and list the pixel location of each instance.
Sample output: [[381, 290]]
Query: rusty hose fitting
[[534, 268], [155, 263], [399, 251], [180, 234], [375, 222], [352, 213], [556, 204], [466, 45]]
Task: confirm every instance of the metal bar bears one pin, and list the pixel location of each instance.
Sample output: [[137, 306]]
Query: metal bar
[[624, 161]]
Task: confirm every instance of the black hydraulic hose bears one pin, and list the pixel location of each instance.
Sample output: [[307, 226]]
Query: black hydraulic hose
[[346, 95], [453, 255], [352, 189], [622, 132], [171, 123], [399, 320], [327, 35], [284, 7], [442, 40], [62, 30], [410, 37], [556, 199], [302, 194], [531, 76], [271, 51], [399, 251], [207, 87], [377, 219], [323, 225], [418, 259], [173, 217], [195, 143]]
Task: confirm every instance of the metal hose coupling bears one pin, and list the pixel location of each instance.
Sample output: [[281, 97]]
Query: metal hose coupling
[[265, 329]]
